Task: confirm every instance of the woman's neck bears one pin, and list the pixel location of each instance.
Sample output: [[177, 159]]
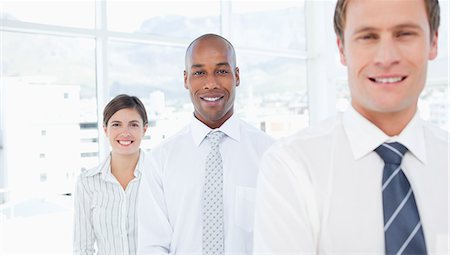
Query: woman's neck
[[123, 166]]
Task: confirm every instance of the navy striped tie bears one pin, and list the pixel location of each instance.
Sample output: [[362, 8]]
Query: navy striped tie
[[403, 232]]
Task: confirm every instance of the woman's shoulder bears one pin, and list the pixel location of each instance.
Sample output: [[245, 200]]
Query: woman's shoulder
[[92, 172]]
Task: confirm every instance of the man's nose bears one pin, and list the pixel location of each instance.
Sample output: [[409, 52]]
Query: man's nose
[[387, 53]]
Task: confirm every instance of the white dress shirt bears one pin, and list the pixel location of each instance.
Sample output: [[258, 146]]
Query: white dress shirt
[[319, 191], [105, 213], [170, 199]]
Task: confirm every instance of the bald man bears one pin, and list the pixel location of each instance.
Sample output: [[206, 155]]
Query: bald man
[[197, 196]]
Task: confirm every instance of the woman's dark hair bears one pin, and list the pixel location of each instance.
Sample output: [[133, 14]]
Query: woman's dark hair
[[124, 101]]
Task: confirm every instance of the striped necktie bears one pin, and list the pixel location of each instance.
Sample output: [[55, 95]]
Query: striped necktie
[[402, 227], [213, 238]]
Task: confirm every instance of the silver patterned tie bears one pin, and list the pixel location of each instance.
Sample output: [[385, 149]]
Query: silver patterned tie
[[213, 241]]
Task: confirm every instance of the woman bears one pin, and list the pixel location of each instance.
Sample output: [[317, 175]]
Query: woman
[[105, 197]]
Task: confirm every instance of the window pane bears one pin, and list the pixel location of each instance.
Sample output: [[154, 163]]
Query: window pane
[[183, 20], [62, 13], [48, 93], [272, 94], [269, 24], [154, 74]]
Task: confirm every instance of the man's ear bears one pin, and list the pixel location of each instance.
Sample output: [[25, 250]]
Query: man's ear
[[238, 77], [340, 44], [433, 47], [185, 79]]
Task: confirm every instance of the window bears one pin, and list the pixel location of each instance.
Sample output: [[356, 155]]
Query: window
[[162, 19], [59, 68], [60, 13], [250, 25], [62, 61], [47, 82], [273, 92], [154, 73]]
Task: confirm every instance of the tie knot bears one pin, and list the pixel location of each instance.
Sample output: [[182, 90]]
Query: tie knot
[[215, 137], [391, 153]]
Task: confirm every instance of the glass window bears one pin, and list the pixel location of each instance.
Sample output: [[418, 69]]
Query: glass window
[[60, 13], [276, 25], [48, 96], [49, 103], [155, 74], [183, 20], [272, 94]]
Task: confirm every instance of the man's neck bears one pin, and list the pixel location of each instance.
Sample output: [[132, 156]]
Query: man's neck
[[391, 123]]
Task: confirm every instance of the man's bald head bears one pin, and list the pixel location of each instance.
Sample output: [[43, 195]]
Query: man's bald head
[[212, 37]]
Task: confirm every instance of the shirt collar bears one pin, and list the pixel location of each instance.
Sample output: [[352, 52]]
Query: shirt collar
[[140, 165], [364, 136], [413, 138], [230, 127], [104, 169]]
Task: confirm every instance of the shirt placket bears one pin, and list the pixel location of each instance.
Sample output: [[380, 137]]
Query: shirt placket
[[123, 221]]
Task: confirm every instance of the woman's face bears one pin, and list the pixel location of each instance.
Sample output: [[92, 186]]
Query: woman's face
[[125, 130]]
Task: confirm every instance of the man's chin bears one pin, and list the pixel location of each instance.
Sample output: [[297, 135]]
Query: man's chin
[[209, 118]]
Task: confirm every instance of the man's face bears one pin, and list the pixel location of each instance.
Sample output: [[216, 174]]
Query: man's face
[[386, 48], [211, 78]]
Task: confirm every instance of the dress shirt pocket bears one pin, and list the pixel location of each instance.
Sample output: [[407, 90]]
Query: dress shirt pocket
[[244, 208]]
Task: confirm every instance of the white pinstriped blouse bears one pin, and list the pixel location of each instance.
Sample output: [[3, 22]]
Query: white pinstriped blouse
[[105, 213]]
